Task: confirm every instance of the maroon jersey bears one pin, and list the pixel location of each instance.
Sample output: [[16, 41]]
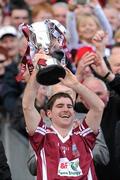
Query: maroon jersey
[[66, 158]]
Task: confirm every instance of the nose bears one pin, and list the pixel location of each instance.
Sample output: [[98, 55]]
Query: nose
[[88, 26], [66, 108]]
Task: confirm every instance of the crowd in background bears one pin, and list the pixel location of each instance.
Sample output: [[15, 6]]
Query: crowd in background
[[99, 19]]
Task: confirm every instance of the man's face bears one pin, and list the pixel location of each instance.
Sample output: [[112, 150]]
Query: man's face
[[62, 113], [19, 16], [87, 28], [98, 88], [11, 44], [113, 17], [115, 63], [116, 4], [60, 14], [115, 51]]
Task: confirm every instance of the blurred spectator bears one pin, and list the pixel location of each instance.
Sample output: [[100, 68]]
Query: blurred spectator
[[111, 117], [32, 3], [82, 60], [5, 5], [12, 92], [4, 16], [87, 26], [113, 17], [114, 61], [109, 124], [9, 39], [19, 13], [9, 53], [13, 95], [115, 49], [41, 12], [79, 25], [60, 10], [115, 4]]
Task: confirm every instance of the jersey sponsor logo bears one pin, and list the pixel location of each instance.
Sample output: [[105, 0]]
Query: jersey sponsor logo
[[69, 168]]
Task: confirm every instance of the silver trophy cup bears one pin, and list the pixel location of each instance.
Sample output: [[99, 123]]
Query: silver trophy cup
[[48, 35]]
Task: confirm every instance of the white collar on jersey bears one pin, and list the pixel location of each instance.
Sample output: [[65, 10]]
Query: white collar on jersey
[[63, 139]]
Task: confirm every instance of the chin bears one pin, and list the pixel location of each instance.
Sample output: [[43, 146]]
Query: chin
[[67, 125]]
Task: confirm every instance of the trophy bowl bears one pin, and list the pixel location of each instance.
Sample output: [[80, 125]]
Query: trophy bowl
[[51, 70]]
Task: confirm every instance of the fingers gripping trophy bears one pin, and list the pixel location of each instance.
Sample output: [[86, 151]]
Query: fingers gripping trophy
[[49, 36]]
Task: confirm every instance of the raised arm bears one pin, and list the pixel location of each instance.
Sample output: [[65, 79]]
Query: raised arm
[[96, 106], [32, 116], [99, 13]]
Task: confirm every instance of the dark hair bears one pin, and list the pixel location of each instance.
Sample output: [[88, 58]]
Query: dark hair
[[56, 96], [117, 44], [20, 5]]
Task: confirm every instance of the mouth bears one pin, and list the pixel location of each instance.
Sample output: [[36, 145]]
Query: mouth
[[88, 32], [65, 116]]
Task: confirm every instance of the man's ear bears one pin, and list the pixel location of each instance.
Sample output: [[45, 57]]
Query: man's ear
[[48, 113]]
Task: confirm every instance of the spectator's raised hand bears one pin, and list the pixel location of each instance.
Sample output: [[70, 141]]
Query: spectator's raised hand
[[100, 40], [100, 66], [83, 69]]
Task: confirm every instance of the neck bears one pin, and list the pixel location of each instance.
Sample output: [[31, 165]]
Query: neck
[[62, 131], [87, 42]]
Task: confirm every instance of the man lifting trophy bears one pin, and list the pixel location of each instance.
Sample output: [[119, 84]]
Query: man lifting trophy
[[49, 36]]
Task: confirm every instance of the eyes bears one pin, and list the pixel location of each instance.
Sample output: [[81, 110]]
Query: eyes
[[99, 93], [69, 106]]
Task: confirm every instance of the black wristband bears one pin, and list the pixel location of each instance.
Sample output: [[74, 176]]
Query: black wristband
[[108, 73]]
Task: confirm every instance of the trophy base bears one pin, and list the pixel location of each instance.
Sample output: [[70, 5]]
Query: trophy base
[[50, 75]]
